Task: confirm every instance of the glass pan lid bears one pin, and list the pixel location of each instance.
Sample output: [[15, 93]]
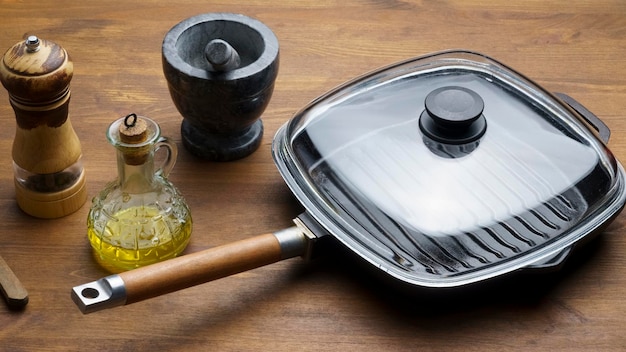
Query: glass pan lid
[[452, 203]]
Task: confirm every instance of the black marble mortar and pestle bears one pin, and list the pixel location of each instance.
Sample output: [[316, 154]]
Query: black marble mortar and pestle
[[220, 69]]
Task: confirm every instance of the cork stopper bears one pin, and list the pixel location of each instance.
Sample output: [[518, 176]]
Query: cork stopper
[[134, 130]]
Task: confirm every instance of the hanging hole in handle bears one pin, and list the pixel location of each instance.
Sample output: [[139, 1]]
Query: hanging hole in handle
[[167, 159]]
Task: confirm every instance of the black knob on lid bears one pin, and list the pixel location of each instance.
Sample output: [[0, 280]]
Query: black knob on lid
[[453, 115]]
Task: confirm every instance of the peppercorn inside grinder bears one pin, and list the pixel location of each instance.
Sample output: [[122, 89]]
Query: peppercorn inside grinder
[[49, 175], [220, 69], [140, 218]]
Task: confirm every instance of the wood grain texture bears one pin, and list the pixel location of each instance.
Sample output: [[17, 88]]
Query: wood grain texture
[[12, 289], [332, 303], [200, 267]]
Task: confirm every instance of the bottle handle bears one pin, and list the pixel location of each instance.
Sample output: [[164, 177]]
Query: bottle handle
[[170, 157]]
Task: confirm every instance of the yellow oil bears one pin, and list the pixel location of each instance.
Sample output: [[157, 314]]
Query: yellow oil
[[138, 236]]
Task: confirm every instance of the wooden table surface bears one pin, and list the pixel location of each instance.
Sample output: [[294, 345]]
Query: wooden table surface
[[330, 304]]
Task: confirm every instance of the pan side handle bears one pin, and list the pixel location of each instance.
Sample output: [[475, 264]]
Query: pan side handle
[[603, 130], [189, 270]]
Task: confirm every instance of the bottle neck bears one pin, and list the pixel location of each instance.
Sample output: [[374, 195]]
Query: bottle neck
[[138, 178]]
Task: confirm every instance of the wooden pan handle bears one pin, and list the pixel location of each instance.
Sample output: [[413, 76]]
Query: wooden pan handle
[[189, 270], [200, 267]]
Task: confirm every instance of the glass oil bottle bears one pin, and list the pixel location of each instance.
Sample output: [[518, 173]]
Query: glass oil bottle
[[140, 218]]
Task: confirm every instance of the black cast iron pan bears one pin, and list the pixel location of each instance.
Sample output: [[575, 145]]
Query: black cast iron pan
[[440, 171]]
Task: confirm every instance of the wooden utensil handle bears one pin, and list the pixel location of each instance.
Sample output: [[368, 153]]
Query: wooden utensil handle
[[12, 289], [200, 267]]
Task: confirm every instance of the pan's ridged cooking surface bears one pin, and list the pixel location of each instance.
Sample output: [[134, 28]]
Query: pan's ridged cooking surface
[[447, 213]]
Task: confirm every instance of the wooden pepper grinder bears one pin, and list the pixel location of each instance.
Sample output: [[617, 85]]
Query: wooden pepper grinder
[[49, 176]]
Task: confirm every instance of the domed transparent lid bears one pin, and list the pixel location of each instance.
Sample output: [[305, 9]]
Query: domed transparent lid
[[450, 169]]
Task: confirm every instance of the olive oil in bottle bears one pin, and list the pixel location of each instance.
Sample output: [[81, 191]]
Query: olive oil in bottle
[[139, 236]]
